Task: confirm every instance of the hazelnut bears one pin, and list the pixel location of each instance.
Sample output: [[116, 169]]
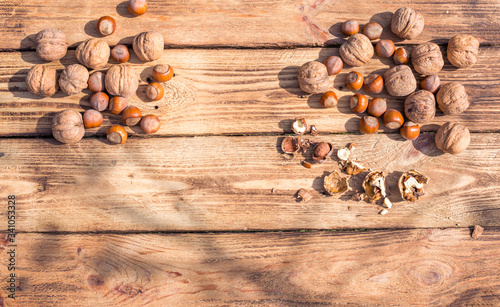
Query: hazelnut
[[67, 126], [374, 186], [354, 80], [92, 118], [163, 72], [150, 124], [137, 7], [313, 78], [322, 151], [373, 84], [99, 101], [430, 83], [329, 100], [154, 91], [96, 82], [400, 81], [148, 46], [131, 116], [452, 138], [358, 103], [74, 79], [411, 185], [350, 27], [117, 134], [335, 184], [377, 107], [452, 98], [393, 119], [117, 104], [121, 80], [401, 56], [106, 25], [333, 65], [385, 48], [299, 126], [463, 50], [289, 145], [368, 124], [357, 50], [51, 44], [93, 53], [120, 53], [407, 23], [420, 107], [427, 59], [41, 80], [410, 130], [372, 30]]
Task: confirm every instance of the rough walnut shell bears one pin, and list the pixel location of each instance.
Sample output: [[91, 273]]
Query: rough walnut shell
[[452, 138], [121, 80], [41, 80], [463, 50], [148, 45], [427, 59], [420, 107], [412, 193], [313, 78], [67, 126], [407, 23], [93, 53], [357, 50], [74, 79], [335, 184], [452, 98], [51, 44], [400, 81], [374, 186]]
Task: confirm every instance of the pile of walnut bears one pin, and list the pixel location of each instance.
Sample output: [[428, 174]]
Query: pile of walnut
[[419, 106], [120, 80]]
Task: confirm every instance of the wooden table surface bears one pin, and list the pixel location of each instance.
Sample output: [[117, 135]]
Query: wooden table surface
[[204, 213]]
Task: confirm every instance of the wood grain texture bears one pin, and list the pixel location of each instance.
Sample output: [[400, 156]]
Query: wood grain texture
[[376, 268], [265, 23], [238, 92], [225, 183]]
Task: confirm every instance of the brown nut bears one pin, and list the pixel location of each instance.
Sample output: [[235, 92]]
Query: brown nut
[[163, 72], [357, 50], [41, 80], [372, 30], [150, 124], [385, 48], [452, 138], [350, 27], [67, 126], [96, 82], [289, 145], [354, 80], [393, 119], [377, 107], [92, 118], [401, 56], [93, 53], [329, 100], [410, 130], [463, 50], [121, 80], [106, 25], [322, 151], [313, 78], [51, 44], [368, 124], [120, 53], [304, 195], [117, 134], [299, 126], [358, 103], [148, 45], [374, 186], [74, 79], [427, 59], [131, 116], [411, 185], [373, 84], [430, 83], [154, 91], [117, 104], [407, 23], [452, 98], [400, 81], [99, 101], [333, 65], [420, 107], [335, 184], [137, 7]]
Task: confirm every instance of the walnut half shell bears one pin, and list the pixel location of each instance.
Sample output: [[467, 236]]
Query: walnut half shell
[[374, 185], [335, 184], [411, 185]]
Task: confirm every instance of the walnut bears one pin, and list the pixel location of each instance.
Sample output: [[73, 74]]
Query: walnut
[[407, 23], [121, 80], [452, 98], [420, 107], [67, 126], [41, 80], [357, 50], [93, 53], [452, 138], [148, 45], [462, 50], [51, 44], [374, 185], [313, 78], [427, 59], [335, 184], [400, 81], [411, 185], [74, 79]]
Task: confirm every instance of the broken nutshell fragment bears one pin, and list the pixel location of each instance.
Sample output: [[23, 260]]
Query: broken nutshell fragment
[[322, 151], [374, 185], [299, 126], [304, 144], [289, 145], [314, 130], [304, 195], [478, 231], [411, 185], [335, 184], [353, 168]]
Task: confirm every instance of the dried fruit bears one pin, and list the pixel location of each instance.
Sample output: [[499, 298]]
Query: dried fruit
[[313, 78], [463, 50], [299, 126], [452, 138], [357, 50], [74, 79], [51, 44], [420, 107], [122, 80], [148, 46], [411, 185], [41, 80], [400, 81], [407, 23], [322, 151], [374, 185], [335, 184], [67, 126], [93, 53], [452, 98], [304, 195]]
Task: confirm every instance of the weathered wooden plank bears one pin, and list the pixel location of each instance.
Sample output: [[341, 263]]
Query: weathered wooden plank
[[265, 23], [376, 268], [226, 183], [238, 92]]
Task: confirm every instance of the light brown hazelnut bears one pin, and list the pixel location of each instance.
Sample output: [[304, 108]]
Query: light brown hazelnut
[[122, 80], [350, 27], [163, 72], [334, 183], [354, 80], [401, 56], [357, 50], [96, 82], [120, 53], [74, 79], [93, 53], [411, 185], [117, 135], [452, 98], [452, 138], [148, 46], [377, 107], [154, 91], [373, 30], [131, 116], [137, 7], [427, 59], [385, 48], [374, 186], [51, 44], [430, 83], [407, 23], [333, 65], [373, 84], [117, 104], [420, 107], [67, 126], [150, 124], [106, 25], [99, 101], [92, 118], [463, 50], [41, 80], [329, 100], [393, 119], [313, 78], [400, 81]]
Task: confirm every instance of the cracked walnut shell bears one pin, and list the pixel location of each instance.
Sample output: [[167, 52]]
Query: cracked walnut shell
[[427, 59], [67, 126], [335, 184], [93, 53], [313, 78], [407, 23], [400, 81], [74, 79], [357, 50], [51, 44], [148, 46], [463, 50], [121, 80], [41, 80], [411, 185], [452, 138], [374, 185], [420, 107], [452, 98]]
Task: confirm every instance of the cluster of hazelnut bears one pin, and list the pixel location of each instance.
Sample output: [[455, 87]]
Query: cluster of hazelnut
[[419, 106], [120, 80]]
